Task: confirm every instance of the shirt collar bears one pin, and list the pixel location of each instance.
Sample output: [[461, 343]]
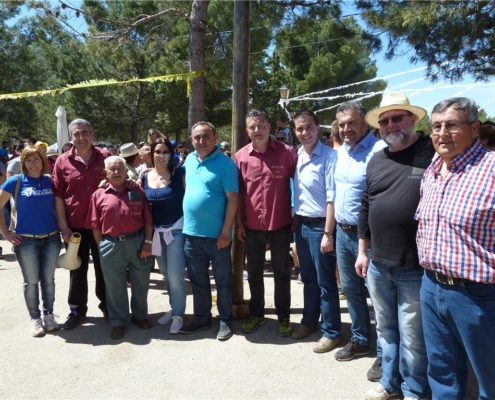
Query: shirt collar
[[368, 141], [462, 160], [215, 153], [317, 150], [271, 145], [110, 187]]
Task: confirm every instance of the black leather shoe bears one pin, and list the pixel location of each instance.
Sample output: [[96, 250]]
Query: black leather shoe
[[375, 373], [351, 350], [142, 323], [117, 332], [73, 319], [193, 327]]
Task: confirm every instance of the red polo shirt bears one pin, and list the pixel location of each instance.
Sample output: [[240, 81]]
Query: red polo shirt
[[264, 181], [75, 182], [117, 213]]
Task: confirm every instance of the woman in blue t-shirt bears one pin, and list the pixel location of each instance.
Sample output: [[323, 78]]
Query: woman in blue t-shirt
[[36, 236], [164, 189]]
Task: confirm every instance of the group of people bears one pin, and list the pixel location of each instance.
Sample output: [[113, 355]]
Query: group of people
[[408, 217]]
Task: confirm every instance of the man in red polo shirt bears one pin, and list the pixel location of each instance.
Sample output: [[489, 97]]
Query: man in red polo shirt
[[117, 216], [265, 168], [76, 176]]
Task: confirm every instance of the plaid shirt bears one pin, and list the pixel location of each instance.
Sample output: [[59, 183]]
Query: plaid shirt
[[456, 214]]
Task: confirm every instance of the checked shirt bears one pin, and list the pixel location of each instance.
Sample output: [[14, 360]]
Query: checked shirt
[[456, 214]]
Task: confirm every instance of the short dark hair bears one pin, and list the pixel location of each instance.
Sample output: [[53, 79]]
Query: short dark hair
[[352, 105], [282, 118], [256, 113], [308, 113]]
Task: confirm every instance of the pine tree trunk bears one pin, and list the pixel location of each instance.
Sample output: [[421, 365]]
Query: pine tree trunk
[[197, 35]]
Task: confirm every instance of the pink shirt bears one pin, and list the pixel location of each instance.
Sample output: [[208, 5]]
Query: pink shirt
[[117, 213], [264, 181], [75, 182]]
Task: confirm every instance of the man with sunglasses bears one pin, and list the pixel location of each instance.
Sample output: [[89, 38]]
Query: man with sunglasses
[[350, 175], [455, 240], [386, 219]]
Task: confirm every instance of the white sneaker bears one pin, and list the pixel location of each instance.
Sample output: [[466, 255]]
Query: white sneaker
[[176, 324], [166, 319], [49, 323], [37, 329], [378, 392]]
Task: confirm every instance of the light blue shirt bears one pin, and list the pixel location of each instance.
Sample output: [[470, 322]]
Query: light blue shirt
[[350, 177], [205, 199], [314, 184]]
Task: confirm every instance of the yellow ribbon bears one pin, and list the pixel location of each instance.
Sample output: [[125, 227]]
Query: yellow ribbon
[[97, 82]]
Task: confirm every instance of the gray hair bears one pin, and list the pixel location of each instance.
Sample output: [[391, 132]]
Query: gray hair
[[212, 128], [111, 159], [80, 121], [467, 106], [352, 105]]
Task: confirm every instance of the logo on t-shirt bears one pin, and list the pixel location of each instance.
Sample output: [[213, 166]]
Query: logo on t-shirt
[[29, 191]]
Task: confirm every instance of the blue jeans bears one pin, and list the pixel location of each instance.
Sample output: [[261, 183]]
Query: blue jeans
[[395, 294], [279, 241], [172, 265], [459, 322], [320, 283], [200, 251], [353, 286], [38, 260], [115, 257]]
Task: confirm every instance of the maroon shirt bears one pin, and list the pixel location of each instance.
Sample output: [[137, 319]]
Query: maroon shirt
[[264, 181], [115, 213], [75, 183]]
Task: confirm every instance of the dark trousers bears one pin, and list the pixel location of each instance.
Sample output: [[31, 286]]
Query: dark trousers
[[279, 241], [78, 289]]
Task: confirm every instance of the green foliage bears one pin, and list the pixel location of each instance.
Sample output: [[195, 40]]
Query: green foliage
[[453, 38]]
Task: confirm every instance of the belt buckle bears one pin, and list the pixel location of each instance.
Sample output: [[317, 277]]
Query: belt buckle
[[121, 238], [450, 280], [41, 236]]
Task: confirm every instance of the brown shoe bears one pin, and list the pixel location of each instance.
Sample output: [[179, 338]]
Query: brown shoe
[[325, 344], [117, 332], [301, 331], [375, 373], [142, 323]]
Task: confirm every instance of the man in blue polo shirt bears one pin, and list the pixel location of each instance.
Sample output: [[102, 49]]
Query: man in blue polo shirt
[[210, 206], [350, 178]]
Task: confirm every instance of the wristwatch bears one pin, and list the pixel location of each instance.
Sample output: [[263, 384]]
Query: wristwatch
[[328, 234], [148, 241]]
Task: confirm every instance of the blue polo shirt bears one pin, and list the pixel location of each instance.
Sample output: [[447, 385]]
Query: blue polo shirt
[[350, 177], [205, 200]]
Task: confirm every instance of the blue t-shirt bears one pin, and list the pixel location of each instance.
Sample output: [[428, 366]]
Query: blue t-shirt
[[205, 200], [35, 204], [166, 202]]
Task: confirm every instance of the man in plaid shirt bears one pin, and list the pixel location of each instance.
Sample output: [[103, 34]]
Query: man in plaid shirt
[[456, 244]]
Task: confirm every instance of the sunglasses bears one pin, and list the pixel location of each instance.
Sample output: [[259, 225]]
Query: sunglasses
[[395, 119], [281, 139], [159, 152]]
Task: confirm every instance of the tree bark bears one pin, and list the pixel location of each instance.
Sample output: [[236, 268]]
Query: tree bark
[[197, 35]]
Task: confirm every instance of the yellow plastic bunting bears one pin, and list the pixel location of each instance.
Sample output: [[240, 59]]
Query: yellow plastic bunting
[[97, 82]]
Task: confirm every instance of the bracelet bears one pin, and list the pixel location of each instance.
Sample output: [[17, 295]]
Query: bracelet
[[148, 241]]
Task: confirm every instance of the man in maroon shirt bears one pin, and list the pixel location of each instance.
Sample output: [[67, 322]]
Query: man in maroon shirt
[[265, 168], [76, 176], [117, 215]]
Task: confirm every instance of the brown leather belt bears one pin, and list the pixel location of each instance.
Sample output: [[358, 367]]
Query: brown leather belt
[[348, 228]]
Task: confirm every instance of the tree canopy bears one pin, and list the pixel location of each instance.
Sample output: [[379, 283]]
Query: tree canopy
[[453, 38]]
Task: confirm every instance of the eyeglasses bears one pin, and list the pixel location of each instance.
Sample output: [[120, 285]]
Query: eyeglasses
[[281, 139], [159, 152], [395, 119], [452, 126]]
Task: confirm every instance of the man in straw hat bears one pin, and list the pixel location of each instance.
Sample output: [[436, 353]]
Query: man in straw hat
[[456, 215], [130, 153], [350, 176], [386, 219]]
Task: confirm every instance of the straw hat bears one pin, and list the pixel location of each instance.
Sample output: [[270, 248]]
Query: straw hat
[[51, 152], [128, 150], [393, 101]]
